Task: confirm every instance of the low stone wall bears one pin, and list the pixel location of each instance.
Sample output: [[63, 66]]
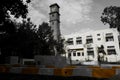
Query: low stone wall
[[56, 61], [68, 71]]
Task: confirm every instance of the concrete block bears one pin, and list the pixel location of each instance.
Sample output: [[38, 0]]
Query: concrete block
[[14, 60], [63, 71], [107, 67], [82, 72], [16, 70], [103, 72], [30, 70], [45, 60], [78, 67], [117, 71], [60, 62], [56, 61], [41, 66], [46, 71]]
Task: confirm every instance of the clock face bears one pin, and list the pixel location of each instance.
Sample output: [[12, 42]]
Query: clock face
[[53, 9]]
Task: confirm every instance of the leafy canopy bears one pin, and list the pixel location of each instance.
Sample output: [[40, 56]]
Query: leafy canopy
[[17, 8], [46, 41], [111, 16]]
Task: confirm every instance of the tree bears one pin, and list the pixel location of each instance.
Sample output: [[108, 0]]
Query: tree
[[8, 29], [101, 54], [22, 42], [60, 46], [46, 41], [26, 37], [17, 8], [111, 16]]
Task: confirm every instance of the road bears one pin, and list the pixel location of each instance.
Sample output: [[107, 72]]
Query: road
[[11, 76]]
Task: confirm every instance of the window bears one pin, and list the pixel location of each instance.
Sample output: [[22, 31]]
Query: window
[[109, 37], [69, 54], [111, 51], [78, 54], [89, 36], [52, 15], [78, 40], [98, 34], [109, 34], [89, 39], [110, 46], [99, 39], [90, 51], [70, 41], [82, 53], [74, 54]]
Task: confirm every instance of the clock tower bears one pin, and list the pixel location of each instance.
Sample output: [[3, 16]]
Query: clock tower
[[55, 20]]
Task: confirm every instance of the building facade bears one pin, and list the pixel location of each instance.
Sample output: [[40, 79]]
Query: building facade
[[92, 46]]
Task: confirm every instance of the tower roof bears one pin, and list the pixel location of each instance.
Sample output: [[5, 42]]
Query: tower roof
[[55, 4]]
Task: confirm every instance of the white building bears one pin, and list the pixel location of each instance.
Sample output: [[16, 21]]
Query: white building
[[90, 45]]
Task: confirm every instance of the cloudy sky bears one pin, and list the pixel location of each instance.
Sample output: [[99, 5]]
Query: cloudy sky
[[76, 15]]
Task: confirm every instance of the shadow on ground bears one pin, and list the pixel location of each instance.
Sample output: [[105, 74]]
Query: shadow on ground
[[11, 76]]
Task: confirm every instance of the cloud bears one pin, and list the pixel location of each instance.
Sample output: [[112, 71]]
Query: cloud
[[82, 31], [72, 12], [36, 16]]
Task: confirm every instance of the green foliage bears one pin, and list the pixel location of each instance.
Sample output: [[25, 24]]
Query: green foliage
[[23, 39], [60, 46], [18, 8], [46, 42], [111, 16], [21, 42], [12, 37], [26, 38]]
